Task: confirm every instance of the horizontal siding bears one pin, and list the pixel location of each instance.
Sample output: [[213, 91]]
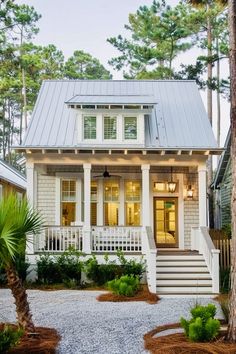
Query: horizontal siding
[[46, 192], [191, 219]]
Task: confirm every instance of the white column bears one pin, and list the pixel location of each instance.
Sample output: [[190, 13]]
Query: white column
[[202, 191], [100, 203], [145, 195], [122, 204], [30, 177], [87, 207]]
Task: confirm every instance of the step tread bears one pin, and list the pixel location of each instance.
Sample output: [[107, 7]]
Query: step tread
[[183, 286]]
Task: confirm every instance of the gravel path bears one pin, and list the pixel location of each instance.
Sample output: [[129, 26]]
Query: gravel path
[[88, 326]]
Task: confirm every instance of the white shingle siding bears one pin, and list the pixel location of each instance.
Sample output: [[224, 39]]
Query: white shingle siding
[[191, 219], [46, 192]]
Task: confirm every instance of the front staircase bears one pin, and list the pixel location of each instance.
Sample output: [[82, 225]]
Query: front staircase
[[182, 273]]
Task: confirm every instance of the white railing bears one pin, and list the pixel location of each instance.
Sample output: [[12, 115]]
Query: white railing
[[149, 250], [202, 242], [58, 239], [113, 238]]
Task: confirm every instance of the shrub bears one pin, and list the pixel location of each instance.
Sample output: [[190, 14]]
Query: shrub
[[202, 326], [9, 337], [131, 267], [21, 265], [101, 273], [48, 270], [126, 285]]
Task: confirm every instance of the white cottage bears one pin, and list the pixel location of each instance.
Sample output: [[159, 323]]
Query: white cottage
[[122, 165]]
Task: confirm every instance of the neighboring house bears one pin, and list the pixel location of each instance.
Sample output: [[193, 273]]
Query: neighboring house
[[11, 181], [122, 165], [222, 185]]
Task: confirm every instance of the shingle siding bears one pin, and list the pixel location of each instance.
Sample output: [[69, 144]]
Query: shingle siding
[[46, 193], [225, 196], [191, 219]]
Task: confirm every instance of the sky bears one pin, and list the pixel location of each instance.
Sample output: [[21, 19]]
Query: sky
[[86, 24]]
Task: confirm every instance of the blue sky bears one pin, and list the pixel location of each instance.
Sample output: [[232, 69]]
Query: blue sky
[[86, 24]]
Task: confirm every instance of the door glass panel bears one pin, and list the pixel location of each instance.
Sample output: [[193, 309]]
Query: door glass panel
[[165, 221]]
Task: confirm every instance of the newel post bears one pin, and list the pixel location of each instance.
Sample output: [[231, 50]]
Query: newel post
[[215, 271]]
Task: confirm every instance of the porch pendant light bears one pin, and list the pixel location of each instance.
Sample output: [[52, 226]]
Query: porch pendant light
[[171, 184], [189, 192]]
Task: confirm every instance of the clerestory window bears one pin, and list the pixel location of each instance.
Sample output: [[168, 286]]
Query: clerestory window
[[110, 128], [90, 123]]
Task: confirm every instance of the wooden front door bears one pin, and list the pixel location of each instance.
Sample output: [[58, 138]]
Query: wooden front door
[[166, 222]]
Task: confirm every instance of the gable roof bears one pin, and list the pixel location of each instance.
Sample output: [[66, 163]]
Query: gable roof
[[9, 174], [178, 119]]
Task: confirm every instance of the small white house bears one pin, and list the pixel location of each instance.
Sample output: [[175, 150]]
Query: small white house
[[11, 181], [122, 165]]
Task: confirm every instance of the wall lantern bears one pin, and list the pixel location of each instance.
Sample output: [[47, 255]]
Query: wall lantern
[[189, 192], [171, 184]]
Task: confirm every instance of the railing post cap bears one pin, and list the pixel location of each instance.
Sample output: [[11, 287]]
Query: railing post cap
[[215, 251]]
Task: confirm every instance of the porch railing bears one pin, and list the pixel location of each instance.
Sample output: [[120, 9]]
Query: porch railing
[[202, 242], [149, 250], [113, 238], [58, 239]]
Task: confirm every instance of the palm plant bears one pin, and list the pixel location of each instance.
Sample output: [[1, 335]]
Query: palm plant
[[17, 220]]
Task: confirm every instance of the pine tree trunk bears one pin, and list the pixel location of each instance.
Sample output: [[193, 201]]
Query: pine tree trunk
[[24, 316], [232, 56]]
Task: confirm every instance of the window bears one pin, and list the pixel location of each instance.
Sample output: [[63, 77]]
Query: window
[[110, 128], [90, 127], [68, 201], [111, 203], [132, 203], [130, 128], [93, 203]]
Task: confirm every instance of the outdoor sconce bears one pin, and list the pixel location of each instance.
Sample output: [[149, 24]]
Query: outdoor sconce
[[171, 185], [189, 192]]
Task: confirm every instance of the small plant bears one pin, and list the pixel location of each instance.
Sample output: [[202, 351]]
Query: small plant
[[9, 337], [202, 326], [131, 267], [101, 273], [48, 270], [127, 285]]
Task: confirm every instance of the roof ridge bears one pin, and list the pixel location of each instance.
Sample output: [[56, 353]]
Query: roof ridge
[[100, 80]]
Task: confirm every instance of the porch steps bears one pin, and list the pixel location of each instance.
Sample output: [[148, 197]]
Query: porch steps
[[182, 273]]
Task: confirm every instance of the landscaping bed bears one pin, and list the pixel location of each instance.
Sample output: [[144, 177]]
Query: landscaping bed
[[142, 295], [176, 343], [44, 341]]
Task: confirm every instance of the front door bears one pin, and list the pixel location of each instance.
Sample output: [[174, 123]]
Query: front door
[[165, 222]]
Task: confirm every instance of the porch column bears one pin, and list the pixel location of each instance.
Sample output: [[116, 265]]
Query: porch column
[[202, 191], [87, 207], [145, 195], [30, 192]]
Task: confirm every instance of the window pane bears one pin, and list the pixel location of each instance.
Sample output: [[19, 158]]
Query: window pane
[[111, 191], [133, 214], [94, 214], [68, 213], [93, 191], [130, 127], [109, 127], [68, 189], [132, 191], [89, 127], [111, 214]]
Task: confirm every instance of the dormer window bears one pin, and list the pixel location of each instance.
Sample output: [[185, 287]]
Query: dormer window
[[110, 128], [130, 128], [90, 123]]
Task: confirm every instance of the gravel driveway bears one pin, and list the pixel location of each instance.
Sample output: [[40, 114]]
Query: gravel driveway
[[88, 326]]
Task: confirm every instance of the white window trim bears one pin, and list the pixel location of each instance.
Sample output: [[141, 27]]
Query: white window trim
[[103, 127], [137, 124], [90, 115]]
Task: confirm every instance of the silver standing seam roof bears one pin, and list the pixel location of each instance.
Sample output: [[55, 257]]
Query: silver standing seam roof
[[178, 119]]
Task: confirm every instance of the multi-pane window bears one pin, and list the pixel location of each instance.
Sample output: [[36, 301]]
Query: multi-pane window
[[94, 203], [110, 128], [111, 203], [132, 203], [90, 127], [130, 128], [68, 201]]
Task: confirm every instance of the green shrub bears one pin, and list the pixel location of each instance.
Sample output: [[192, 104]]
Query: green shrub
[[202, 326], [21, 265], [9, 337], [65, 268], [131, 267], [126, 285], [101, 273]]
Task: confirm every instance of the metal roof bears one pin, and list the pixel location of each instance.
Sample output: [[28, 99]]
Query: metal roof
[[9, 174], [178, 119], [111, 99]]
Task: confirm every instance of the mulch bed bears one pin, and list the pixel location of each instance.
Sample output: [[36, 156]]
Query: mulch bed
[[44, 341], [177, 343], [143, 295]]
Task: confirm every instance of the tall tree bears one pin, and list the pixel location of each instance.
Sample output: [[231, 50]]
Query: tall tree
[[158, 34], [17, 220], [232, 56], [83, 66]]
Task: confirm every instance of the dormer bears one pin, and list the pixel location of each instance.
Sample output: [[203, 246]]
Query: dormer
[[111, 119]]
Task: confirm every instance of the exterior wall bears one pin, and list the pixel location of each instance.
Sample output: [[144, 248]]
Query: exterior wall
[[46, 197], [225, 196], [8, 188], [191, 219]]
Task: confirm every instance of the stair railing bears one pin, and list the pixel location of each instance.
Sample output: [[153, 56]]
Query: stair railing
[[149, 250], [201, 241]]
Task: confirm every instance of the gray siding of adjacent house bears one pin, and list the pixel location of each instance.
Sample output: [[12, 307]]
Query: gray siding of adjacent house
[[225, 195]]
